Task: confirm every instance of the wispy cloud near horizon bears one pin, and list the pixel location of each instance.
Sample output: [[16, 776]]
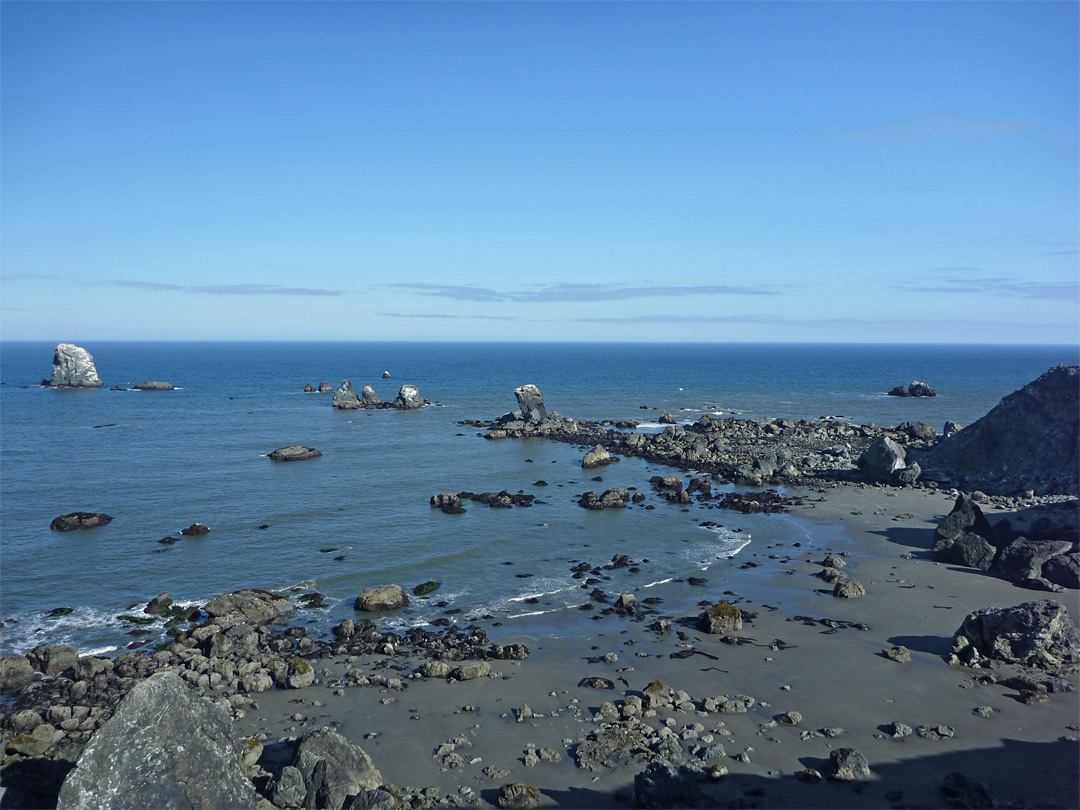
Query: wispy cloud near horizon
[[563, 293], [1045, 290], [228, 289]]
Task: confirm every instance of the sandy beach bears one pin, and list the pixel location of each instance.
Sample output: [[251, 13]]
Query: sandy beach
[[847, 692]]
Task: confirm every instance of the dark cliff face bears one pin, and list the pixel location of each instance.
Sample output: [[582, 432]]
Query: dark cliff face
[[1030, 440]]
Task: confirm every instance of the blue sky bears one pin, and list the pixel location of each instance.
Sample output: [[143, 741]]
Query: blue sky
[[865, 172]]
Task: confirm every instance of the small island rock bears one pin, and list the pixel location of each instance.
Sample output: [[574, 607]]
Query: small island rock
[[325, 387], [408, 398], [345, 398], [79, 520], [294, 452], [74, 367], [154, 386], [369, 398]]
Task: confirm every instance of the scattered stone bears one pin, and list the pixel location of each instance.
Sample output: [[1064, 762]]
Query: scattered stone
[[518, 796], [594, 682], [470, 672], [900, 654], [848, 765], [935, 732], [849, 589]]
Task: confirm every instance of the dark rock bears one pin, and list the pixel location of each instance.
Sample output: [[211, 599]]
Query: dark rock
[[667, 419], [1035, 634], [950, 428], [196, 529], [531, 404], [380, 598], [309, 389], [79, 520], [52, 659], [907, 476], [386, 375], [917, 430], [325, 387], [1023, 559], [163, 747], [627, 604], [345, 397], [968, 549], [74, 367], [154, 386], [424, 588], [612, 747], [965, 793], [966, 516], [1031, 440], [293, 453], [518, 796], [665, 784], [848, 765], [594, 682], [1063, 570], [448, 502], [915, 389]]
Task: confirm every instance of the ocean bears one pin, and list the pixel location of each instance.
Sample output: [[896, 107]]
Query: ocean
[[159, 461]]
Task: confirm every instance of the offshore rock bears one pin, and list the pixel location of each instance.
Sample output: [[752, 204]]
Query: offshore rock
[[154, 385], [916, 389], [1030, 440], [74, 367], [531, 404], [294, 453], [597, 457], [381, 597], [408, 398], [164, 747], [369, 398], [1035, 634], [345, 398], [79, 520], [325, 387]]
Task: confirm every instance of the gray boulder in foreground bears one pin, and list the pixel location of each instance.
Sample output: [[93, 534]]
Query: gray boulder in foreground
[[531, 404], [164, 747], [1035, 634], [74, 367], [881, 460], [332, 768], [345, 397]]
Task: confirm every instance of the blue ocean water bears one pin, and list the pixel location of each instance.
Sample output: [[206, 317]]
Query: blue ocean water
[[158, 461]]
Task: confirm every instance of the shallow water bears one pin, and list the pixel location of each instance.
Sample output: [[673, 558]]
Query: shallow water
[[158, 461]]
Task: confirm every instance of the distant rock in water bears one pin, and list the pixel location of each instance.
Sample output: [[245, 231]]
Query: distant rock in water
[[325, 387], [380, 598], [154, 386], [73, 367], [164, 747], [386, 375], [309, 389], [79, 520], [597, 457], [408, 398], [369, 398], [1029, 441], [294, 453], [345, 397], [531, 404], [916, 389]]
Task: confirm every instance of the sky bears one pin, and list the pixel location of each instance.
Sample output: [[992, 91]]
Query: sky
[[883, 172]]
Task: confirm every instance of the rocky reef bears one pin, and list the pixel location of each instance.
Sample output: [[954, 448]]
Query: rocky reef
[[408, 398]]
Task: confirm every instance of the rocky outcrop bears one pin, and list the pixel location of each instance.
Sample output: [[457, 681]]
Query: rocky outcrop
[[614, 498], [408, 398], [73, 367], [1029, 441], [345, 398], [294, 452], [368, 397], [249, 606], [164, 747], [448, 502], [331, 768], [52, 659], [79, 520], [1035, 634], [916, 389], [531, 404], [325, 387], [154, 385], [380, 598]]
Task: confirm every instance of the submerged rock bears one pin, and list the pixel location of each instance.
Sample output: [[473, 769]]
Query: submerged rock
[[79, 520], [74, 367], [164, 747]]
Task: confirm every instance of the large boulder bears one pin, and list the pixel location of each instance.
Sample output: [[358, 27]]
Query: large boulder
[[79, 520], [1063, 570], [333, 767], [1023, 559], [531, 404], [369, 398], [881, 460], [15, 672], [52, 659], [74, 367], [968, 549], [380, 598], [408, 398], [1030, 440], [294, 452], [597, 457], [345, 398], [1035, 634], [163, 747], [966, 517], [249, 606]]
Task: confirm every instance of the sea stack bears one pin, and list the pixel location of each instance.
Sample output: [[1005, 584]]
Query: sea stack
[[345, 397], [531, 403], [74, 367]]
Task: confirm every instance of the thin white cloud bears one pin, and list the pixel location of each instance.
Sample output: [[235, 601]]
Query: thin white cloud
[[228, 289], [561, 293], [1047, 290]]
